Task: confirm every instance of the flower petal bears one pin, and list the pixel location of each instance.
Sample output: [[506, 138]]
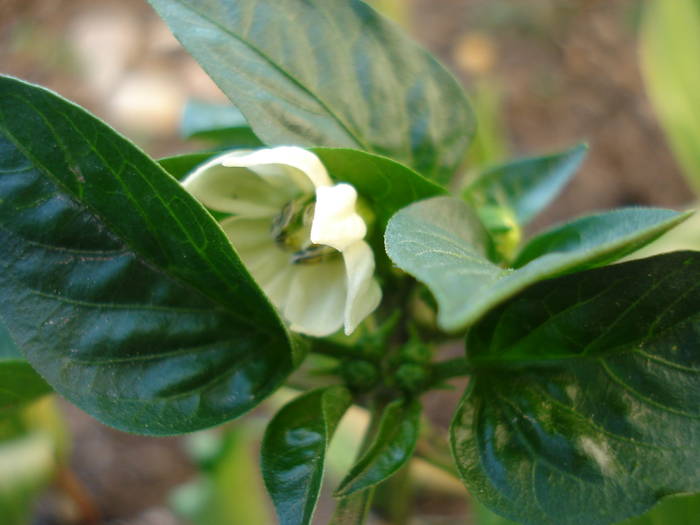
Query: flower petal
[[336, 223], [363, 291], [268, 264], [316, 301], [239, 191], [302, 166]]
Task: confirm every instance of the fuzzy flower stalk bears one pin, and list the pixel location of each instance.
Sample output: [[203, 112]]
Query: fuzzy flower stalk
[[297, 232]]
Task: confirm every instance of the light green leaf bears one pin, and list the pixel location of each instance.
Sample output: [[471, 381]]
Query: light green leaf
[[120, 289], [366, 87], [586, 389], [294, 449], [19, 383], [441, 243], [221, 123], [670, 46], [391, 448]]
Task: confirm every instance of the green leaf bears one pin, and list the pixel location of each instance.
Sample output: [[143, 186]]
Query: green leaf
[[294, 449], [586, 389], [670, 46], [386, 184], [221, 123], [675, 510], [391, 448], [19, 383], [603, 238], [524, 187], [367, 86], [120, 289], [441, 243]]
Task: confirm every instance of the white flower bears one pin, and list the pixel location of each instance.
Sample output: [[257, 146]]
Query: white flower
[[298, 234]]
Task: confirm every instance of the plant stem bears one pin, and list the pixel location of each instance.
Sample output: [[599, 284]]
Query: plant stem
[[337, 350], [74, 489], [444, 370]]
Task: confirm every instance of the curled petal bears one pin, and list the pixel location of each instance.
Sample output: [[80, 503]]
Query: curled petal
[[298, 164], [363, 291], [237, 191], [336, 223]]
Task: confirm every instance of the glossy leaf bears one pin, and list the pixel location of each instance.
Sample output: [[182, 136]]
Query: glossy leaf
[[294, 449], [670, 46], [586, 389], [119, 288], [367, 87], [387, 185], [221, 123], [391, 448], [441, 243], [19, 383], [524, 187]]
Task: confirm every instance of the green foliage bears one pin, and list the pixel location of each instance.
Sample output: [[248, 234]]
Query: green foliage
[[441, 242], [120, 289], [670, 45], [390, 449], [219, 123], [509, 196], [366, 87], [294, 449], [586, 390]]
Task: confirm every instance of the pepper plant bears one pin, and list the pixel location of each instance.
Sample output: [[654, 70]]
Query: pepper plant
[[164, 297]]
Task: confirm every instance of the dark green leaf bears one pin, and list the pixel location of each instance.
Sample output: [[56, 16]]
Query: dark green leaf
[[525, 187], [584, 407], [119, 288], [386, 184], [391, 448], [19, 383], [221, 123], [441, 242], [328, 73], [294, 450]]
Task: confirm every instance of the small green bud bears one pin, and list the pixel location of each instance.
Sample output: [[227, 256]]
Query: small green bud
[[504, 228], [411, 377], [359, 374]]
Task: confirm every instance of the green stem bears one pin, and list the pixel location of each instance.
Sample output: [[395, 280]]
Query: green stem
[[444, 370], [337, 350]]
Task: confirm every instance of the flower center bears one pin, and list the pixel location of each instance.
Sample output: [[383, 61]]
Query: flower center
[[291, 230]]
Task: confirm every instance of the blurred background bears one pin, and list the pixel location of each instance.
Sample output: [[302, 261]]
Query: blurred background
[[543, 75]]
